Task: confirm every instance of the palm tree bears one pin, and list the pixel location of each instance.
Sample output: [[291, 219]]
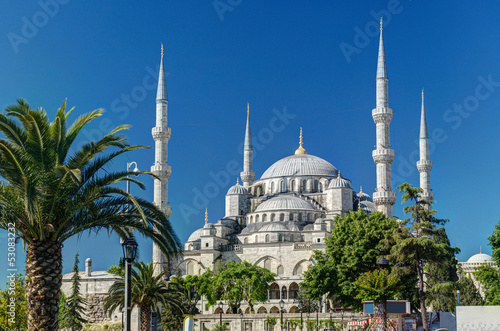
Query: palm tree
[[53, 191], [147, 292]]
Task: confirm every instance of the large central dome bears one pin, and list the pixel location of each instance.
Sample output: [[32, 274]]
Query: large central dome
[[300, 165]]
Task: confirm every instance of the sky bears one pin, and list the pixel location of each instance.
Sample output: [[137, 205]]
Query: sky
[[298, 64]]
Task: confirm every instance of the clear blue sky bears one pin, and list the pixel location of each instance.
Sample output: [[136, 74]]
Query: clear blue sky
[[275, 55]]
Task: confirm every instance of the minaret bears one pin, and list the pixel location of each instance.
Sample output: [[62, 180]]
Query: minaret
[[424, 165], [247, 175], [383, 155], [161, 134]]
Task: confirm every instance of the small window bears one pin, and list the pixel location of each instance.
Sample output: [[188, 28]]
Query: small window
[[206, 244], [319, 240]]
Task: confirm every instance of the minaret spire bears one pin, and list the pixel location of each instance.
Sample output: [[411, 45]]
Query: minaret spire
[[383, 155], [247, 175], [424, 165], [161, 135], [301, 149]]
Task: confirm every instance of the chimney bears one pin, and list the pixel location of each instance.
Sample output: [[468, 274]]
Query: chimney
[[88, 267]]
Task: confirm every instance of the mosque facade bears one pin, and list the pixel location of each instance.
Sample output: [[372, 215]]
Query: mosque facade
[[278, 220]]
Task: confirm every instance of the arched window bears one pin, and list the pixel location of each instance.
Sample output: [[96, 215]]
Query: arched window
[[267, 238], [256, 238], [190, 268], [264, 189], [264, 217], [272, 187], [280, 237], [262, 310], [294, 185], [304, 185], [280, 270], [293, 291], [282, 217], [300, 216], [291, 217], [298, 270], [272, 217], [321, 187], [282, 185], [283, 293], [267, 264], [274, 310], [256, 218], [274, 291], [245, 241]]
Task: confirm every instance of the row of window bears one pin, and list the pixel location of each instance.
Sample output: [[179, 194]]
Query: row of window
[[295, 185]]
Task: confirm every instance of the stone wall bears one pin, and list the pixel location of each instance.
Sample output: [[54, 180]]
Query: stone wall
[[95, 311]]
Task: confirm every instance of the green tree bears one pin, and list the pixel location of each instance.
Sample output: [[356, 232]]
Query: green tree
[[172, 315], [469, 294], [488, 276], [147, 293], [236, 282], [62, 306], [73, 313], [352, 250], [119, 269], [379, 286], [55, 190], [417, 242], [13, 305], [189, 286], [271, 322]]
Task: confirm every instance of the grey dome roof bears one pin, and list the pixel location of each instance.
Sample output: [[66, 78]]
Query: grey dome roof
[[237, 189], [362, 196], [481, 258], [300, 165], [273, 227], [368, 206], [284, 202], [196, 235], [339, 182]]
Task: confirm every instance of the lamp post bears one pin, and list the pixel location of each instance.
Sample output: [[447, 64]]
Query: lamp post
[[221, 306], [123, 313], [129, 165], [282, 305], [317, 316], [458, 297], [301, 308], [129, 254]]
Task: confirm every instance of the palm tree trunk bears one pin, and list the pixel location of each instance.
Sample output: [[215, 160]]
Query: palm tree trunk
[[43, 284], [145, 318]]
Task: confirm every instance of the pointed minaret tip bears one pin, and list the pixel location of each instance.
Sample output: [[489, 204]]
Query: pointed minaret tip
[[381, 23], [381, 63], [161, 49], [206, 215], [161, 92], [248, 108], [423, 120], [301, 149]]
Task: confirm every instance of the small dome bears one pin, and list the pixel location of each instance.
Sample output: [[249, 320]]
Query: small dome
[[481, 258], [362, 196], [237, 189], [284, 202], [339, 182], [368, 206], [195, 235], [274, 227]]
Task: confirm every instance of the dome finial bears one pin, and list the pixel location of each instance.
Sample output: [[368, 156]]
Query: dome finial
[[161, 49], [381, 28], [480, 250], [238, 181], [338, 175], [301, 149], [361, 189], [248, 107], [206, 215]]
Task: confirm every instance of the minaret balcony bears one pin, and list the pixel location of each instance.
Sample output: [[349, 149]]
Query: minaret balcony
[[382, 115], [384, 197], [383, 155], [424, 165], [162, 171], [167, 211], [161, 133]]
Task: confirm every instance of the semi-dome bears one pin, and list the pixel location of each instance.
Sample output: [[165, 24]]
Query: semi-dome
[[368, 206], [480, 258], [196, 235], [300, 165], [274, 227], [284, 202], [237, 189], [339, 182]]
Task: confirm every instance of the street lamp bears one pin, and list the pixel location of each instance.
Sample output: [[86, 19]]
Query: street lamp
[[136, 169], [129, 254], [282, 305], [301, 308], [382, 263], [221, 305]]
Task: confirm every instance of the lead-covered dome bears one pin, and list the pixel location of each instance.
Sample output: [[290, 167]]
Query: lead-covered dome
[[339, 182], [196, 235], [274, 227], [284, 202], [237, 189], [300, 165], [480, 258]]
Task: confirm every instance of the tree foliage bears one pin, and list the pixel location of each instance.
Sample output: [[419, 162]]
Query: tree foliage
[[235, 282], [489, 277], [352, 250], [73, 313], [469, 294], [189, 288], [418, 242], [118, 270], [147, 292], [13, 305], [55, 190]]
